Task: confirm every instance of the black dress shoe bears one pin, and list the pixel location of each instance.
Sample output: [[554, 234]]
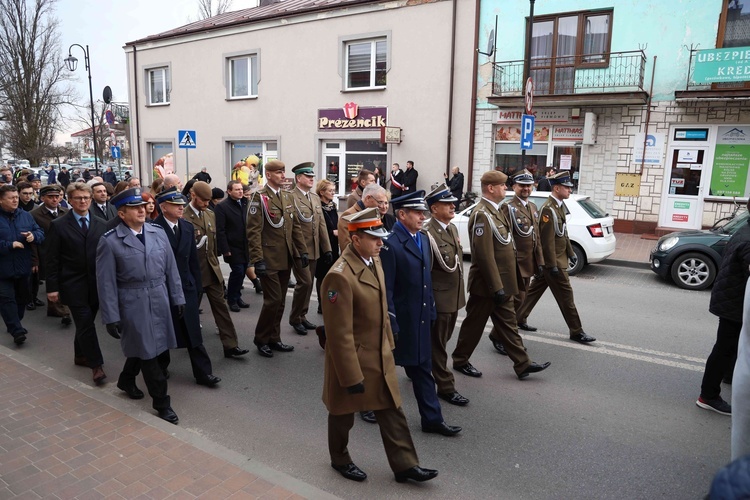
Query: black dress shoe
[[299, 328], [235, 351], [308, 325], [527, 327], [265, 351], [583, 338], [350, 471], [168, 414], [31, 306], [234, 307], [533, 368], [38, 302], [281, 347], [468, 369], [66, 321], [453, 398], [441, 428], [209, 381], [499, 347], [19, 339], [320, 309], [131, 390], [416, 473], [368, 416], [243, 304]]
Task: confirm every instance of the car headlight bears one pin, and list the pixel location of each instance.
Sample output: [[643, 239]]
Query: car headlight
[[668, 243]]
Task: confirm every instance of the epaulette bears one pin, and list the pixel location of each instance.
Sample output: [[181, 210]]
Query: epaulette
[[109, 232], [339, 267], [154, 224]]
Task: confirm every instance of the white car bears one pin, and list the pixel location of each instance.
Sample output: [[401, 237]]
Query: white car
[[591, 230]]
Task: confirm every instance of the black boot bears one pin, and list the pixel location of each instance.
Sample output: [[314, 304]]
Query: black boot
[[257, 285]]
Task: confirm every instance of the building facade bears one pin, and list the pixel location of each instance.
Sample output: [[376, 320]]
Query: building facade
[[646, 104], [308, 80]]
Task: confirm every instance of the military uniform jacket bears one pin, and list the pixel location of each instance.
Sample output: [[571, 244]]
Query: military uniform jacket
[[273, 231], [447, 267], [525, 223], [554, 235], [137, 284], [43, 218], [411, 305], [359, 345], [208, 255], [343, 226], [493, 256], [309, 213]]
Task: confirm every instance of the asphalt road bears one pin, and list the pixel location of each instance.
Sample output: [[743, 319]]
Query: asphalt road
[[616, 419]]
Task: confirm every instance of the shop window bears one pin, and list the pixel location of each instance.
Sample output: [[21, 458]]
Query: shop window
[[733, 32], [365, 61], [162, 159], [159, 85], [242, 75], [240, 150], [508, 158]]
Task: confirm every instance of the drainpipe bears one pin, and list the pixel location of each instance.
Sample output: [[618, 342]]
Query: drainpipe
[[450, 92], [473, 119], [137, 114]]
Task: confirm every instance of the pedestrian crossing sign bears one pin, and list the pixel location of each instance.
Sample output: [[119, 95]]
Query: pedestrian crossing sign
[[186, 139]]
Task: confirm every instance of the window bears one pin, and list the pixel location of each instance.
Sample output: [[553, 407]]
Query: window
[[366, 63], [158, 86], [243, 76], [733, 32], [563, 42]]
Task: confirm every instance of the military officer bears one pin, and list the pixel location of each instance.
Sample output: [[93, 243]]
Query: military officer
[[492, 283], [372, 196], [523, 217], [138, 283], [360, 372], [406, 259], [204, 224], [309, 214], [556, 249], [276, 242], [447, 286]]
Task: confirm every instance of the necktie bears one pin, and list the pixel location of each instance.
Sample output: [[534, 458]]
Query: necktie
[[53, 215], [142, 238], [371, 265], [418, 241], [176, 230], [84, 225]]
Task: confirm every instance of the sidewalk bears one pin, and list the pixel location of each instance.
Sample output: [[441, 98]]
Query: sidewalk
[[63, 439], [632, 250]]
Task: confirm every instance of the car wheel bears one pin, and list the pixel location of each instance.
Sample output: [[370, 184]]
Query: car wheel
[[575, 264], [693, 271]]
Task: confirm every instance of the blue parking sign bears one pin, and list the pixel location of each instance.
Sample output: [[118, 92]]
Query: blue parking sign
[[527, 132]]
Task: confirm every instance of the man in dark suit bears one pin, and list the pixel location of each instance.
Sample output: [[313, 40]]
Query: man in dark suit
[[231, 237], [70, 264], [397, 181], [100, 207], [406, 260], [187, 327], [109, 176], [410, 178], [456, 184]]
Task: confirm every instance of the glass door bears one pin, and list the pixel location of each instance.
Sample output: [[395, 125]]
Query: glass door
[[684, 204], [568, 159], [333, 153]]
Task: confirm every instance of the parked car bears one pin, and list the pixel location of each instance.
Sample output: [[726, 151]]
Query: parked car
[[691, 258], [591, 229]]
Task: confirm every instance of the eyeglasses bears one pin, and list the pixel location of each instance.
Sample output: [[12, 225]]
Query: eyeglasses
[[81, 198]]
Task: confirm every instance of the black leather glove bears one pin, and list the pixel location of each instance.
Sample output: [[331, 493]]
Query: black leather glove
[[304, 259], [554, 271], [500, 297], [260, 268], [113, 329], [541, 270], [356, 388], [328, 257], [395, 338], [180, 311]]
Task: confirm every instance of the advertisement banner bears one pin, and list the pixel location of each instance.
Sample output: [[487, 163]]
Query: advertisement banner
[[654, 153], [722, 65], [729, 175]]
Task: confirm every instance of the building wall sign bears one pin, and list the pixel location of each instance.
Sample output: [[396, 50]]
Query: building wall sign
[[353, 117], [654, 150], [542, 115], [722, 65], [729, 176], [568, 133]]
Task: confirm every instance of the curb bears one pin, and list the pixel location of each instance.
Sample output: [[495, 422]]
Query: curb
[[626, 263]]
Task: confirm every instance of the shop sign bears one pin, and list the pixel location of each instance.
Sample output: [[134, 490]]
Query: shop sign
[[353, 117], [627, 184], [684, 205], [680, 217], [567, 133], [731, 162], [544, 115], [722, 65], [654, 151], [677, 183], [691, 134]]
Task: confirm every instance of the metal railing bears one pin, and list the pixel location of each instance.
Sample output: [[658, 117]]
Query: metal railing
[[610, 72]]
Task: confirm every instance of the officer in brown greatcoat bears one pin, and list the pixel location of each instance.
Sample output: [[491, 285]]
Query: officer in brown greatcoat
[[276, 242], [447, 286], [360, 373], [492, 283], [557, 249], [310, 217]]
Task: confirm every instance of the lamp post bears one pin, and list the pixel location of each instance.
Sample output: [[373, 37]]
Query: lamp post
[[72, 64]]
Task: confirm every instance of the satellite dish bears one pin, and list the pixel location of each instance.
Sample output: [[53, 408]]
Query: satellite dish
[[490, 45], [107, 94]]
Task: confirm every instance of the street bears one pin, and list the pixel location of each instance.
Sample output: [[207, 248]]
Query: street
[[614, 419]]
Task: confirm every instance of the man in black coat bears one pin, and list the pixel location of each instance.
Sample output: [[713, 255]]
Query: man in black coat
[[70, 264], [203, 176], [187, 327], [410, 178], [64, 177], [100, 207], [727, 299], [231, 238], [109, 176], [456, 185]]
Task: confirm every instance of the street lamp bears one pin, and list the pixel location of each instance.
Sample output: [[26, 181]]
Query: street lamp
[[72, 64]]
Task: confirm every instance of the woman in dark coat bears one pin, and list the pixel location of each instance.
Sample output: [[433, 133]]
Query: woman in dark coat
[[326, 191]]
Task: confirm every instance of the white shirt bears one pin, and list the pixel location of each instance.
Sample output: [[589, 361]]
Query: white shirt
[[197, 212]]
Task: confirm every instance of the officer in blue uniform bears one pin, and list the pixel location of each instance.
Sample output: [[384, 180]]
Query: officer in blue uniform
[[406, 260]]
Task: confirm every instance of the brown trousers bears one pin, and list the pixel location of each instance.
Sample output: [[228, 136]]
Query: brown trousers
[[442, 330], [478, 310], [563, 293], [305, 277], [394, 431], [220, 311], [517, 302], [274, 284]]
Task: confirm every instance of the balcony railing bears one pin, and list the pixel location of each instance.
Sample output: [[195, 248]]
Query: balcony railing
[[624, 72]]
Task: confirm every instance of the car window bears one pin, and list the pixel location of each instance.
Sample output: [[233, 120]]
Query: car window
[[735, 224], [592, 208], [541, 200]]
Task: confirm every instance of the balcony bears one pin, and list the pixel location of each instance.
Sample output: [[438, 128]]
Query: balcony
[[725, 91], [594, 79]]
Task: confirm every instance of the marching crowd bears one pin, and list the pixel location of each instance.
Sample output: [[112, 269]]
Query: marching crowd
[[389, 284]]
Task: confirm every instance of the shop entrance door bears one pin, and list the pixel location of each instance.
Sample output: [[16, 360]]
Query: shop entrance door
[[333, 153], [568, 159], [683, 206]]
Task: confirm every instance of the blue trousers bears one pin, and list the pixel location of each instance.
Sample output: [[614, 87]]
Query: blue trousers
[[234, 283], [14, 295], [425, 393]]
